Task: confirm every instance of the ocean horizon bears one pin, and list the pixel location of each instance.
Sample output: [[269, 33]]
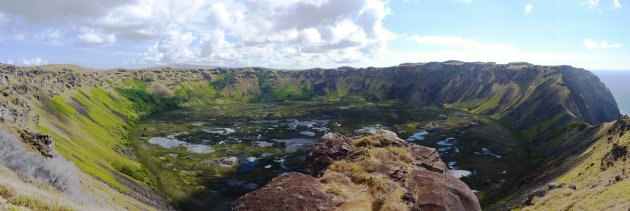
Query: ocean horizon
[[617, 82]]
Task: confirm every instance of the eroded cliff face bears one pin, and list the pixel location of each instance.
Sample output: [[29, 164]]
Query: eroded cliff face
[[373, 172], [533, 99]]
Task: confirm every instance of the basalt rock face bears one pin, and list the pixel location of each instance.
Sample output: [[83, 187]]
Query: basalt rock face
[[373, 172], [590, 100]]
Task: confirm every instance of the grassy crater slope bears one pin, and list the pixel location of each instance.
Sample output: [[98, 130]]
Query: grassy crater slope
[[89, 127], [592, 173], [89, 113]]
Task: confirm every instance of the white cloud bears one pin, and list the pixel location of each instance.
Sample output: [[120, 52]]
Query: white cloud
[[616, 4], [32, 62], [592, 44], [172, 49], [465, 1], [51, 36], [460, 43], [605, 44], [4, 19], [45, 11], [528, 8], [297, 33], [19, 37], [595, 4], [151, 19], [588, 43], [91, 37], [590, 3], [292, 33]]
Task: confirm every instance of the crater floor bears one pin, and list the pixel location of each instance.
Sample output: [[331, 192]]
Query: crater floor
[[207, 157]]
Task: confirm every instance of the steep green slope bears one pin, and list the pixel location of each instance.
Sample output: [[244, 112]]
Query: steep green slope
[[89, 126]]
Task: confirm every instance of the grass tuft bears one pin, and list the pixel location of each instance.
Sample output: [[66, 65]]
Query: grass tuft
[[353, 170], [30, 202]]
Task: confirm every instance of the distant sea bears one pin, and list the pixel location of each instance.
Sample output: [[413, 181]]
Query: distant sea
[[619, 84]]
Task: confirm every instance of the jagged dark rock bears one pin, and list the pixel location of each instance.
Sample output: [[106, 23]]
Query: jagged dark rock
[[330, 148], [620, 127], [40, 142], [616, 152]]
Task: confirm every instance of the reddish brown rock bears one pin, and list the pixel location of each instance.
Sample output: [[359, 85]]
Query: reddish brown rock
[[291, 191], [440, 191], [373, 172]]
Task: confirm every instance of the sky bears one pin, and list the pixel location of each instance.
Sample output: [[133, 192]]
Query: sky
[[296, 34]]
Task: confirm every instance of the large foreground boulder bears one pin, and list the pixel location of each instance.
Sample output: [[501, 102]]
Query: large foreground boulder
[[372, 172]]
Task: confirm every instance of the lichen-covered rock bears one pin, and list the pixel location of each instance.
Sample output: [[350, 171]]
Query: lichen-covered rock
[[330, 148], [374, 172]]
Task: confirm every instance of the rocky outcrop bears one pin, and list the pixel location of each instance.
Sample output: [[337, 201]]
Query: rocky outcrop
[[373, 172], [291, 191], [41, 143], [330, 148], [621, 126], [617, 151], [543, 191]]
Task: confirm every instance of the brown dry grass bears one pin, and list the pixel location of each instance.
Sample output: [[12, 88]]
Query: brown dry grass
[[366, 180]]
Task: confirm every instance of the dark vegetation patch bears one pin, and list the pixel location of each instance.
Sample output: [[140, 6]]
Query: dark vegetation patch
[[141, 174], [568, 129], [118, 114], [144, 103]]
